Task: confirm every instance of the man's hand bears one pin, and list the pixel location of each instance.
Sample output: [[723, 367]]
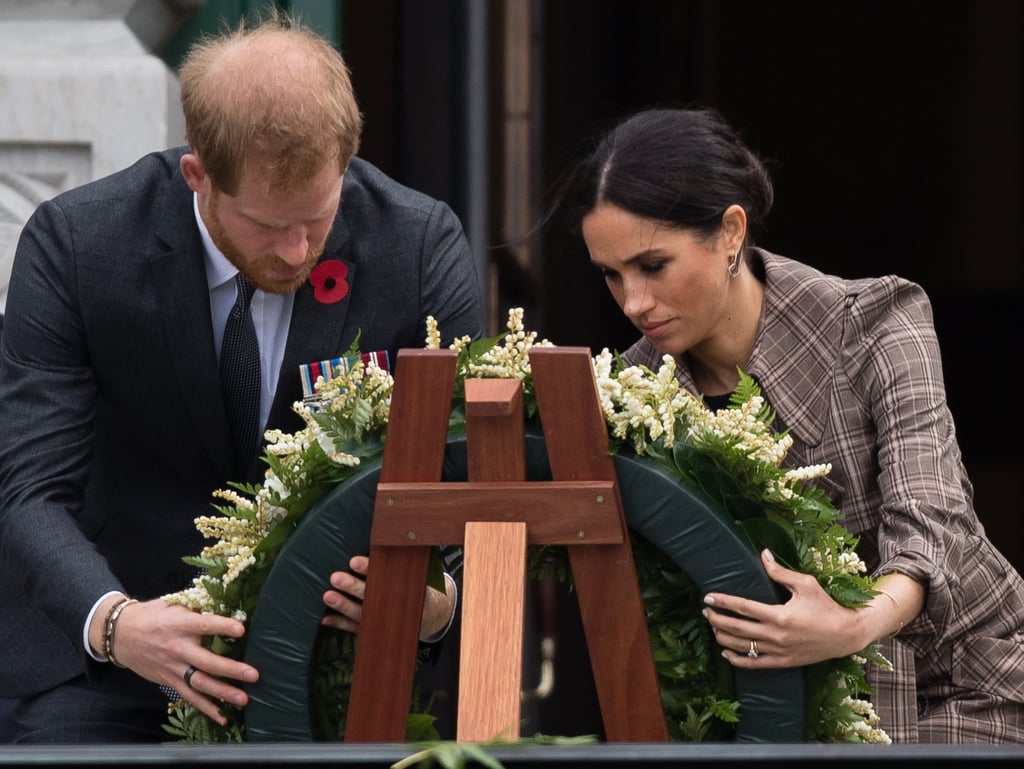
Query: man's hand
[[345, 601], [161, 642]]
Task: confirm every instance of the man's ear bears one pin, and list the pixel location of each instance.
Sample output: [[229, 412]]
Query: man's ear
[[734, 227], [194, 171]]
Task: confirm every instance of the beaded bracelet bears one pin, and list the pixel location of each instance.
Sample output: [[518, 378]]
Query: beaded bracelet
[[106, 624], [111, 625]]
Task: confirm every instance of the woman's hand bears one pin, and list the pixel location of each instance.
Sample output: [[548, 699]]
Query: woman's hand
[[808, 628]]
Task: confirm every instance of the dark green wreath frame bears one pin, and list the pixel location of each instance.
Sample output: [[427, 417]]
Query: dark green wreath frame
[[672, 515]]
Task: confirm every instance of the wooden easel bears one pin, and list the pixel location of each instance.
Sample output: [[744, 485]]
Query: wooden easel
[[495, 515]]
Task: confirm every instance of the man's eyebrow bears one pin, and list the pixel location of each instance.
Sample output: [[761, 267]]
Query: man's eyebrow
[[271, 223]]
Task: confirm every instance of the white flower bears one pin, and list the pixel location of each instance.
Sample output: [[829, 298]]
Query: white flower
[[867, 728], [807, 473], [241, 560], [511, 358], [274, 488], [433, 335]]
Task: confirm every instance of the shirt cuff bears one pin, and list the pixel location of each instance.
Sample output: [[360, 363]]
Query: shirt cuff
[[88, 622], [433, 639]]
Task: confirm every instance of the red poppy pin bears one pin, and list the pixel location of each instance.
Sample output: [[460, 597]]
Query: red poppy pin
[[328, 281]]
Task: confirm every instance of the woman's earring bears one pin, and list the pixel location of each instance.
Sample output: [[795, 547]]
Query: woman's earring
[[734, 265]]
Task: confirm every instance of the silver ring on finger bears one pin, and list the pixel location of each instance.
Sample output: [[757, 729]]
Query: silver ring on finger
[[753, 653], [187, 675]]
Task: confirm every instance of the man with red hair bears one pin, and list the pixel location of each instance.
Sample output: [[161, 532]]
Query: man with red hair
[[116, 425]]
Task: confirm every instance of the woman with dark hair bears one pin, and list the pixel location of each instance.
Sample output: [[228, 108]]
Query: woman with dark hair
[[666, 203]]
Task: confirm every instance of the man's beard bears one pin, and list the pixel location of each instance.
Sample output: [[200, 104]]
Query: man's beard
[[259, 271]]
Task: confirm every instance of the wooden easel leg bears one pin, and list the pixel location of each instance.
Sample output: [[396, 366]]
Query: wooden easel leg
[[382, 686], [494, 581], [619, 645], [491, 661], [386, 650], [605, 575]]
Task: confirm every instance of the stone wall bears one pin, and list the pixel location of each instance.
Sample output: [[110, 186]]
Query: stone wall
[[81, 96]]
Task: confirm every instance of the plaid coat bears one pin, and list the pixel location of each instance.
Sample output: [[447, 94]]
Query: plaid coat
[[853, 369]]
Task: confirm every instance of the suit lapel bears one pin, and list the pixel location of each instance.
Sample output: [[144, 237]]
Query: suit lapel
[[179, 277], [316, 331]]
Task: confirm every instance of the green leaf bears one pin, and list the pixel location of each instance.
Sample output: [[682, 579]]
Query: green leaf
[[740, 507], [764, 533], [478, 754], [420, 727], [353, 349]]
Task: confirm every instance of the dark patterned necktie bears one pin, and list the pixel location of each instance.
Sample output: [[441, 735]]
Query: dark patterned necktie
[[240, 377]]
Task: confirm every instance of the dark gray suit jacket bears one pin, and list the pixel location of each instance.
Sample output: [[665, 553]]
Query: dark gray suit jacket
[[112, 428]]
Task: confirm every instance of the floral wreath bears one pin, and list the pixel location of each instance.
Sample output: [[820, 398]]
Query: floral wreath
[[731, 455]]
